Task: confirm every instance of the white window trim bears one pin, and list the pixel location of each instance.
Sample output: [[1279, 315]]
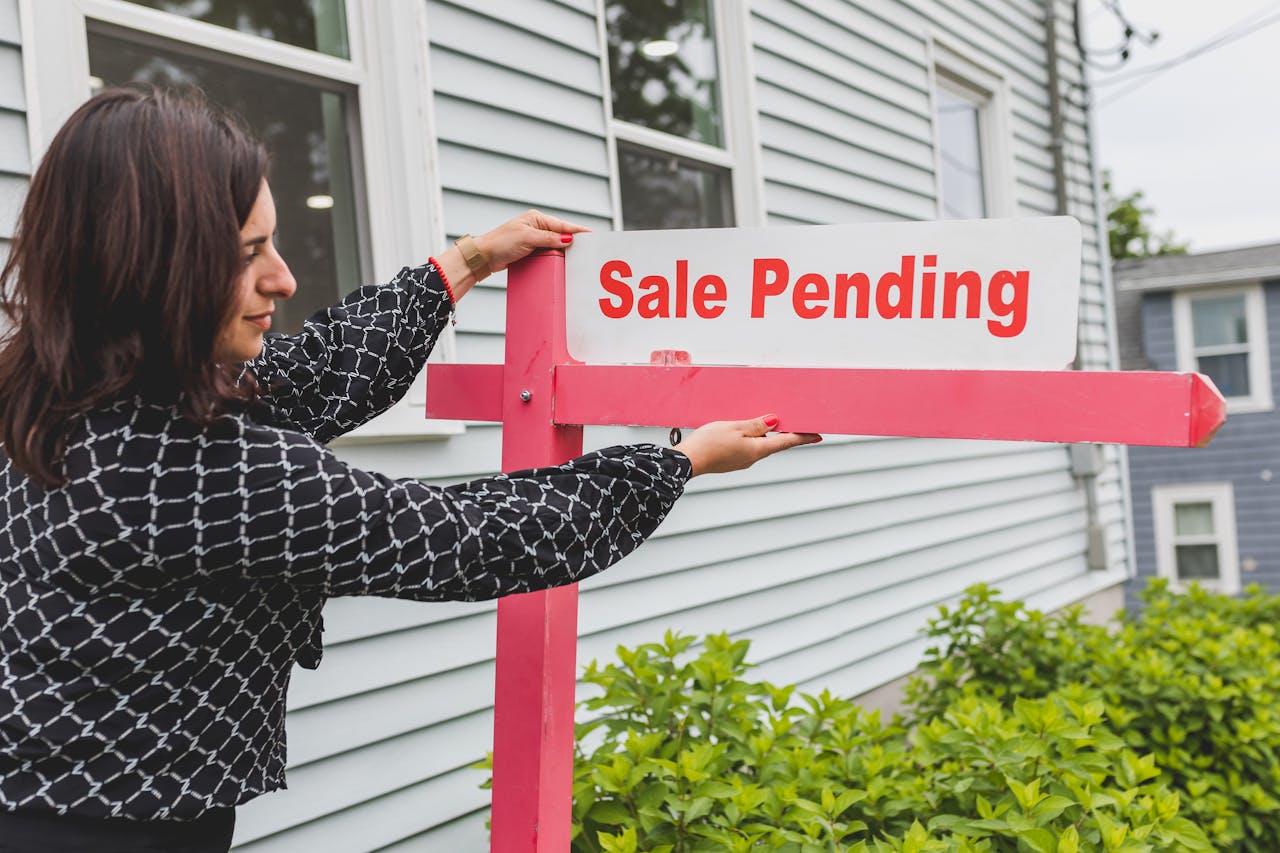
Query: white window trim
[[741, 152], [1222, 497], [389, 69], [963, 75], [1255, 309]]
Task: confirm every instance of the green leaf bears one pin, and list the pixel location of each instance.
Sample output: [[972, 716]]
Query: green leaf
[[1039, 840], [610, 811]]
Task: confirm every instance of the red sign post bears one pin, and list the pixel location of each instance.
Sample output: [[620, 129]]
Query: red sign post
[[543, 398]]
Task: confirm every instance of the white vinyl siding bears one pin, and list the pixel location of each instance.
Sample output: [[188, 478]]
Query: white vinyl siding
[[15, 155]]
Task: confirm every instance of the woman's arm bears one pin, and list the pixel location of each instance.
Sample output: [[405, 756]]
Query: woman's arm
[[242, 502], [247, 503], [356, 359]]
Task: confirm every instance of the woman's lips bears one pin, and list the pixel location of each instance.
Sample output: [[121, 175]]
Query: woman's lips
[[262, 321]]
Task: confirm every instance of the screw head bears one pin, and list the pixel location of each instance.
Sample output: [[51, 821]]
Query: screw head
[[526, 396]]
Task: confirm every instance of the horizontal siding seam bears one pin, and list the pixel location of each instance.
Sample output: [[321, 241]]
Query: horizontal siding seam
[[883, 155], [862, 176], [347, 808], [878, 72], [513, 25], [769, 179], [526, 72], [925, 117], [481, 711], [923, 605], [519, 158], [789, 581], [808, 7]]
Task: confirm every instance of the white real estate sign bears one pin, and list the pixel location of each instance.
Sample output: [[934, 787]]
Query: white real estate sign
[[971, 294]]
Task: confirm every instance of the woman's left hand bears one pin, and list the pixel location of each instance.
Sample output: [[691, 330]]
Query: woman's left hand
[[533, 229], [506, 244]]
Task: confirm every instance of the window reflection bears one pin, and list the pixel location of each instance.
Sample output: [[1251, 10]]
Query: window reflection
[[314, 24], [1220, 336], [1219, 321], [662, 67], [663, 191], [959, 139], [305, 130]]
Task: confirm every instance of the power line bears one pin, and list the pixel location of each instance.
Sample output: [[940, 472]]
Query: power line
[[1149, 73]]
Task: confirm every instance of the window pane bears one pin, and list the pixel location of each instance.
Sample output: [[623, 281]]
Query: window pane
[[304, 128], [662, 191], [314, 24], [963, 193], [1229, 372], [662, 67], [1219, 321], [1193, 519], [1197, 561]]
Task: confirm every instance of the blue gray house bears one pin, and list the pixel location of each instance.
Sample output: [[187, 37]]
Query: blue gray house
[[1210, 515]]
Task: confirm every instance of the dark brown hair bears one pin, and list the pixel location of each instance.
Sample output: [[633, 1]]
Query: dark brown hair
[[123, 268]]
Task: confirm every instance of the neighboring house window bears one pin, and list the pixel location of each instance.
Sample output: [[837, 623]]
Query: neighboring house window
[[322, 82], [677, 85], [1222, 333], [1195, 531], [970, 126]]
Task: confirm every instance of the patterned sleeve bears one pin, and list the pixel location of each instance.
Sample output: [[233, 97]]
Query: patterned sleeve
[[354, 360], [274, 505]]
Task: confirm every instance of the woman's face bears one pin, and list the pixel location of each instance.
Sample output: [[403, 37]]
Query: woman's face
[[264, 279]]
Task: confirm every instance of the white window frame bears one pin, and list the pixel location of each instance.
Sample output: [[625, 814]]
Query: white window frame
[[987, 89], [1255, 309], [1222, 498], [731, 20], [397, 176]]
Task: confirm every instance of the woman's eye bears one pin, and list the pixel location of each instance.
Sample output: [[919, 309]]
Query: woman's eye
[[248, 259]]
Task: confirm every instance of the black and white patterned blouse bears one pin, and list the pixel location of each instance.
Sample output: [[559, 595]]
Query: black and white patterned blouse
[[151, 609]]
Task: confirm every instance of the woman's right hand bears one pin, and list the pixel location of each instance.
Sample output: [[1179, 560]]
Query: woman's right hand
[[723, 446]]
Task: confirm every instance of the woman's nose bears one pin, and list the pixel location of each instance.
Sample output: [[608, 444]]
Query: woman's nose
[[280, 282]]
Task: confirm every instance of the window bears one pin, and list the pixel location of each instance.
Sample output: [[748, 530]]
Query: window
[[1195, 531], [343, 118], [677, 78], [1222, 333], [970, 138], [305, 126]]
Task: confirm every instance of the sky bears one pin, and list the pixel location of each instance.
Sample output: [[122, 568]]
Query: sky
[[1200, 138]]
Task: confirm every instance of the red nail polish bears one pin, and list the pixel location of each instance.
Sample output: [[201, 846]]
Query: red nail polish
[[566, 238], [771, 421]]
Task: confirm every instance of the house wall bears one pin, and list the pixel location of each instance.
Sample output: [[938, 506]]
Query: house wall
[[829, 559], [15, 157], [1243, 452]]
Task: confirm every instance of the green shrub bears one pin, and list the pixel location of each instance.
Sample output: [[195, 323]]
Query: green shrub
[[685, 755], [1193, 680]]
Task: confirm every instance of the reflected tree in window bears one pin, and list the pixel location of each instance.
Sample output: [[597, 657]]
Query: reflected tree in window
[[314, 24], [662, 66]]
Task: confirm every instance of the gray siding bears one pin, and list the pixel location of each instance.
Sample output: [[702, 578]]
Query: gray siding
[[15, 150], [829, 559], [1242, 453]]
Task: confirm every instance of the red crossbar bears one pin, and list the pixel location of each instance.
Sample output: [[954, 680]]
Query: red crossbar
[[1127, 407]]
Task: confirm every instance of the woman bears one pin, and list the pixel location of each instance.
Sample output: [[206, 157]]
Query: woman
[[172, 522]]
